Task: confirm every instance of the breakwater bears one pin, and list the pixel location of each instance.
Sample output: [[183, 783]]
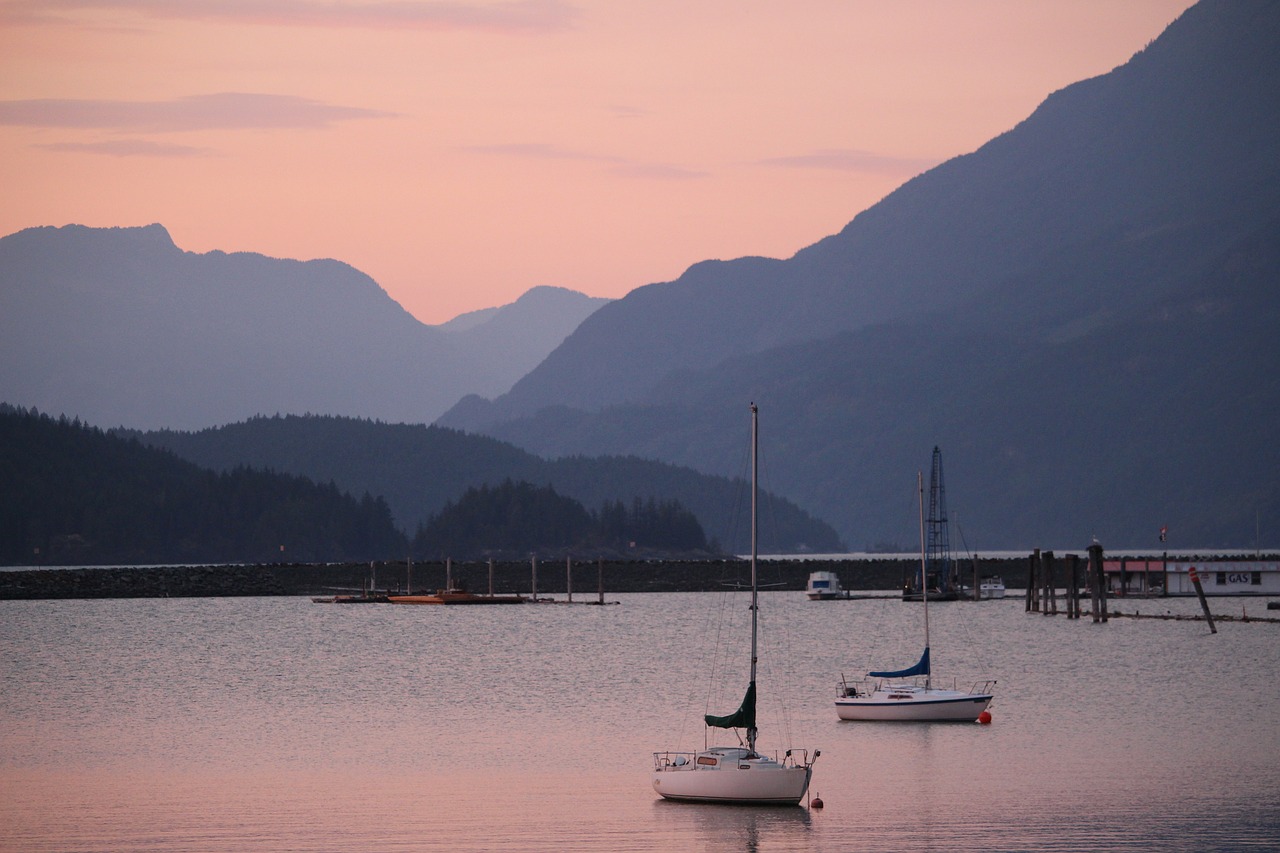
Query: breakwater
[[552, 577]]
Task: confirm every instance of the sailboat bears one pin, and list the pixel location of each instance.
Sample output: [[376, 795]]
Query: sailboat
[[908, 694], [737, 774]]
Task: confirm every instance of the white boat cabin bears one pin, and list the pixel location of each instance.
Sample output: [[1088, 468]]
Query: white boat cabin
[[823, 585]]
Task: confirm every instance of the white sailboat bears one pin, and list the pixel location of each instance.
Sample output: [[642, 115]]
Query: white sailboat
[[737, 774], [909, 694]]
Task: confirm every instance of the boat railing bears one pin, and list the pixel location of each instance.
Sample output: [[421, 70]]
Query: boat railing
[[856, 687], [674, 760], [690, 760], [866, 686]]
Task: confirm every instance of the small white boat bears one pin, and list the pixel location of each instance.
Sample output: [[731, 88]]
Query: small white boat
[[824, 586], [908, 695], [738, 775], [991, 587], [891, 697]]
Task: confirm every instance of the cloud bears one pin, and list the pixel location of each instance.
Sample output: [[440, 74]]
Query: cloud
[[618, 165], [224, 111], [513, 16], [659, 171], [539, 151], [852, 160], [129, 148]]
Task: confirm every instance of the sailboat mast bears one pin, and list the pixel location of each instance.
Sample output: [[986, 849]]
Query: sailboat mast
[[750, 730], [924, 587], [754, 592]]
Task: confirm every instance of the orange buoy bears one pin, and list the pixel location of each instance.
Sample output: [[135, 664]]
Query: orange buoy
[[985, 718], [817, 802]]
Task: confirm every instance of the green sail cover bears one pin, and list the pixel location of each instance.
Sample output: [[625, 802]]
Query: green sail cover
[[743, 718]]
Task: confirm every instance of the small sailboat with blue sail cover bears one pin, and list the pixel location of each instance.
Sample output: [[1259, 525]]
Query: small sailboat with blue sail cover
[[909, 695], [738, 775]]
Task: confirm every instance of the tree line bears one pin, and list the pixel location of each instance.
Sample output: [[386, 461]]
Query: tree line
[[514, 519], [75, 495]]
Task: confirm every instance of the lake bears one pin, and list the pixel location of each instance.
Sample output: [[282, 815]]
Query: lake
[[264, 724]]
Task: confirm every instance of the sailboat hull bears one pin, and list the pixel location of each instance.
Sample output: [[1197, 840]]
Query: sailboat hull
[[914, 705], [760, 782]]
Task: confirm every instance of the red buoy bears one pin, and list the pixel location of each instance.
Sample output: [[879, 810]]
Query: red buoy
[[817, 802], [985, 718]]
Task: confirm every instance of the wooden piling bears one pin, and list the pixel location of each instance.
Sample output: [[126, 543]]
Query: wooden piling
[[1097, 583], [1033, 569], [600, 577], [568, 577], [1073, 586], [1204, 603], [1050, 604]]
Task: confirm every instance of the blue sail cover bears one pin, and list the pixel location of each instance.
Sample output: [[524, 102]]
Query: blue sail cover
[[743, 718], [921, 668]]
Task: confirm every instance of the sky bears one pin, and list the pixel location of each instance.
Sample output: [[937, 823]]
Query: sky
[[461, 152]]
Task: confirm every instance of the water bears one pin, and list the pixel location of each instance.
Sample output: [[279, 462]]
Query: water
[[243, 724]]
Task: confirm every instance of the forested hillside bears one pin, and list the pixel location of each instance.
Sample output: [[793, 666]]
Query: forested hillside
[[418, 469], [504, 521], [73, 494]]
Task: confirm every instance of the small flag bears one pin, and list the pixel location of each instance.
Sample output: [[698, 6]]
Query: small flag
[[1164, 532]]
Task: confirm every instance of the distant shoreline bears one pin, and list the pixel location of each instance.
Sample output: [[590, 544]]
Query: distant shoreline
[[588, 577]]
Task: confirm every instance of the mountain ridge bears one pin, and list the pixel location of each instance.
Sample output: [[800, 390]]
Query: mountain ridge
[[121, 327], [1092, 238], [952, 233]]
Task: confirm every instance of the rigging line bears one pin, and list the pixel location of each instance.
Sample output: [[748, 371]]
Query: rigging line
[[712, 675], [693, 687], [778, 650]]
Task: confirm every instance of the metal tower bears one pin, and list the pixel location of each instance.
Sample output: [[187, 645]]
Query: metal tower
[[938, 565]]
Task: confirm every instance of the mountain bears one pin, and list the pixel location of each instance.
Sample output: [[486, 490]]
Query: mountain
[[1086, 206], [499, 345], [1081, 313], [120, 326], [418, 469]]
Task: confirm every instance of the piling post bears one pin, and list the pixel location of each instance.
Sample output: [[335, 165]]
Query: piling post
[[533, 596], [568, 577], [1033, 580], [600, 577], [1091, 576], [491, 577], [1050, 605], [1204, 602], [1098, 580], [1073, 590], [977, 587], [1103, 592]]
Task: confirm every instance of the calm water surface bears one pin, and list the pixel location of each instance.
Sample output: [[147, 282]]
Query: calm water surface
[[278, 724]]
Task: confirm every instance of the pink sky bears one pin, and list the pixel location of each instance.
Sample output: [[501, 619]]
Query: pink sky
[[462, 152]]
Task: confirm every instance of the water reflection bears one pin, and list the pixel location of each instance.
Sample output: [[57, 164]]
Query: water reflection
[[734, 828]]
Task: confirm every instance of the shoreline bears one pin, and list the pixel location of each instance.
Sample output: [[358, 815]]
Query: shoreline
[[509, 577]]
